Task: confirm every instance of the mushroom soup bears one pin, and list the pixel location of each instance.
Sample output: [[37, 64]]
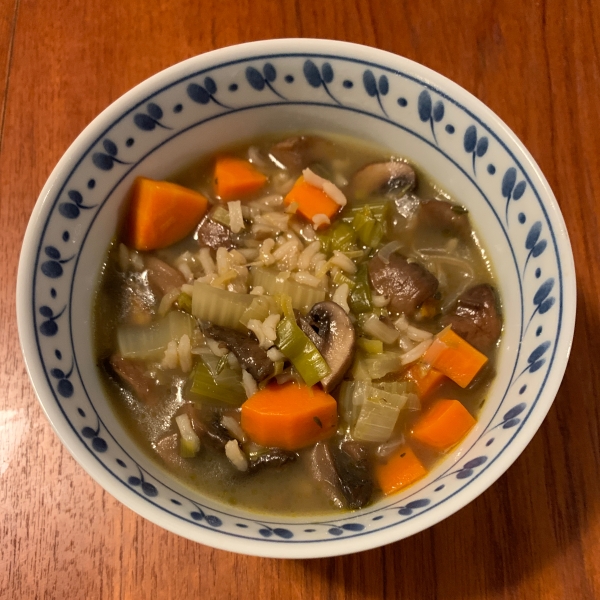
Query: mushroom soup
[[297, 325]]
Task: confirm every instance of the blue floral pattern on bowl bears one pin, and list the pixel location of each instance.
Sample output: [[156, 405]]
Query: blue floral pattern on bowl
[[376, 92]]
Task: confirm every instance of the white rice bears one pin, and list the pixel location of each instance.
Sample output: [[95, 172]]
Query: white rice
[[216, 348], [274, 354], [167, 301], [222, 261], [234, 428], [236, 456], [306, 278], [320, 219], [185, 270], [236, 218], [208, 264], [286, 250], [415, 353], [184, 352], [249, 384], [264, 253], [307, 255], [340, 296], [379, 301], [170, 359], [270, 327], [326, 186], [259, 290], [341, 260]]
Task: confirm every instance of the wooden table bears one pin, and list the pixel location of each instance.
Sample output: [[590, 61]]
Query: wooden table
[[536, 532]]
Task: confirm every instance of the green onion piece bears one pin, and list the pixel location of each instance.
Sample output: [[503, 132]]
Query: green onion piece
[[260, 309], [360, 297], [370, 346], [297, 348], [149, 342], [225, 387], [184, 302], [219, 306], [304, 297]]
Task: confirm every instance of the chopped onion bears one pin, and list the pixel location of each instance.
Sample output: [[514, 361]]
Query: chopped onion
[[415, 353], [387, 250]]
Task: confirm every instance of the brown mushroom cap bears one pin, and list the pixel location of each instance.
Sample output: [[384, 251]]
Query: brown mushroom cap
[[334, 327], [394, 178]]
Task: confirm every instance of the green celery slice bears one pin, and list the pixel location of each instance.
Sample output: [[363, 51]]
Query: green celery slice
[[360, 297], [219, 307], [225, 387]]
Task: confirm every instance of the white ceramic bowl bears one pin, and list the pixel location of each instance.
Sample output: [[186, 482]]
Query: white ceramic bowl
[[238, 92]]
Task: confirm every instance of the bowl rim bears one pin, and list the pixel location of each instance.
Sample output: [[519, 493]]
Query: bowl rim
[[305, 46]]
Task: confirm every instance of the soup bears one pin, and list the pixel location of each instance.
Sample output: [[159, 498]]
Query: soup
[[298, 325]]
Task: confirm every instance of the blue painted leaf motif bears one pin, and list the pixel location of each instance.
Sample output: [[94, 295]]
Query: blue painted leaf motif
[[482, 146], [470, 139], [65, 388], [384, 88], [99, 445], [76, 196], [538, 352], [508, 182], [438, 111], [519, 190], [144, 122], [52, 269], [546, 305], [88, 432], [214, 521], [269, 72], [57, 373], [538, 248], [68, 210], [198, 94], [475, 462], [464, 473], [422, 502], [327, 72], [52, 252], [543, 291], [110, 147], [424, 106], [534, 235], [149, 489], [154, 110], [311, 72], [45, 311], [210, 85], [267, 533], [510, 423], [335, 531], [286, 534], [102, 161], [515, 411], [353, 527]]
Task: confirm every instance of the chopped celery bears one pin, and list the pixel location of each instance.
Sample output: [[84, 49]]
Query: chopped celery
[[370, 223], [184, 302], [296, 346], [221, 215], [351, 398], [149, 342], [378, 416], [360, 297], [304, 297], [340, 236], [219, 306], [340, 277], [260, 309], [370, 346], [225, 386]]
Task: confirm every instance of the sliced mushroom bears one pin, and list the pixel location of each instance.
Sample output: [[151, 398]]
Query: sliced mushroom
[[444, 216], [214, 234], [406, 284], [161, 276], [274, 457], [298, 152], [252, 357], [324, 473], [353, 469], [331, 323], [393, 178], [309, 332], [476, 317], [133, 374]]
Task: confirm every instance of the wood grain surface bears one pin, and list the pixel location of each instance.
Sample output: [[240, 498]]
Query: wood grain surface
[[533, 534]]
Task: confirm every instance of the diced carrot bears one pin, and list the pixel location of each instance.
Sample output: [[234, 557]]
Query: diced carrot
[[311, 200], [401, 469], [162, 213], [454, 357], [426, 378], [289, 416], [443, 425], [235, 178]]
